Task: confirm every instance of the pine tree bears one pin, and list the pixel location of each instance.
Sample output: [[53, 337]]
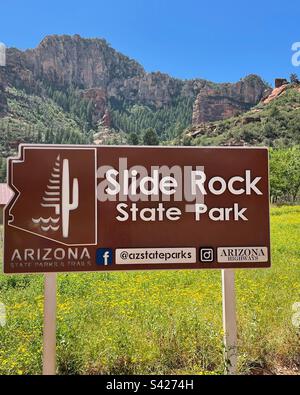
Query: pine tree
[[294, 78], [133, 139], [150, 137]]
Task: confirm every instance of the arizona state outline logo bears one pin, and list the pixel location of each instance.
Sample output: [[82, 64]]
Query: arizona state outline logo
[[60, 201]]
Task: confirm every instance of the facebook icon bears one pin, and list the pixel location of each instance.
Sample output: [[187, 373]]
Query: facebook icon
[[104, 256]]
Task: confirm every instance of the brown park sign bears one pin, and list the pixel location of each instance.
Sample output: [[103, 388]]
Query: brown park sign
[[104, 208]]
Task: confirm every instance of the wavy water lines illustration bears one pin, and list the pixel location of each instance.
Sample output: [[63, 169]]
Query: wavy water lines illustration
[[45, 220], [49, 227], [47, 223]]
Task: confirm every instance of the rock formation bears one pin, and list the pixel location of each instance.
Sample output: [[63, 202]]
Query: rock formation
[[105, 76], [227, 100]]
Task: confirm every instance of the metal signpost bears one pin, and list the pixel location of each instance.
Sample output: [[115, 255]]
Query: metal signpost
[[114, 208], [49, 338], [229, 320]]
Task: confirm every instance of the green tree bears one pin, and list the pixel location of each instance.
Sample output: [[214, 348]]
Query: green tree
[[133, 139], [294, 78], [285, 174], [293, 171], [150, 137]]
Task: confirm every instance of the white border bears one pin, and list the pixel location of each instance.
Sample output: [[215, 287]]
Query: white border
[[96, 147]]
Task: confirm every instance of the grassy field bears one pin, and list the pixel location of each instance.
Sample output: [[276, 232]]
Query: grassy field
[[160, 322]]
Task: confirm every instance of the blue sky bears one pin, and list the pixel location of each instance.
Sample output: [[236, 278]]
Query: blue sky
[[216, 40]]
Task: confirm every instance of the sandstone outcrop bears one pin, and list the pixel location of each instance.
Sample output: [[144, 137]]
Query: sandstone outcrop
[[227, 100], [105, 77]]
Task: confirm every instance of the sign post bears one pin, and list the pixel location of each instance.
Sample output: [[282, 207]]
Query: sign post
[[49, 337], [229, 320]]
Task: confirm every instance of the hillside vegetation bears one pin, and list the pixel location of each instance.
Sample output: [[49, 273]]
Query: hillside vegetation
[[275, 124], [34, 119], [81, 84], [168, 122]]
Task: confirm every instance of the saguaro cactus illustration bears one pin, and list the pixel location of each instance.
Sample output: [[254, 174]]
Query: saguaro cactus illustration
[[66, 205]]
